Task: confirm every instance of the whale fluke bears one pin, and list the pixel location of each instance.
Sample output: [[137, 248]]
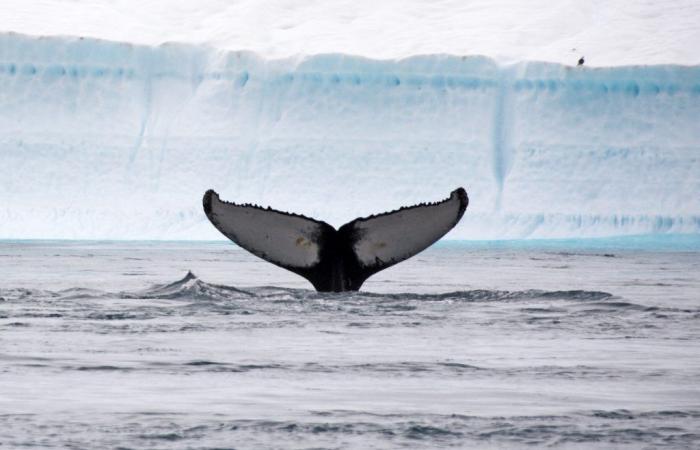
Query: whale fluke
[[335, 260]]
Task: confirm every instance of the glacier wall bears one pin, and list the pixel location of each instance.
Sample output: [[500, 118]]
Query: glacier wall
[[111, 140]]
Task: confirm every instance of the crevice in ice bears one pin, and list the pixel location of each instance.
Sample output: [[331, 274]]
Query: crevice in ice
[[146, 116], [502, 130]]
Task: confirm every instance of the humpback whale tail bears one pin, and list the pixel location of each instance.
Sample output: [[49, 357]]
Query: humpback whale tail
[[335, 260]]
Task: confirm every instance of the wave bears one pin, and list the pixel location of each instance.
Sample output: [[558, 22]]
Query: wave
[[191, 288], [398, 369], [275, 307], [331, 428]]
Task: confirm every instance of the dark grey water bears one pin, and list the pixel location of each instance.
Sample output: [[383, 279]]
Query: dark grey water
[[115, 345]]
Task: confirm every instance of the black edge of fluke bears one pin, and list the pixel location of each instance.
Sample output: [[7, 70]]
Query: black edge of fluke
[[459, 192], [463, 201], [207, 201], [327, 257]]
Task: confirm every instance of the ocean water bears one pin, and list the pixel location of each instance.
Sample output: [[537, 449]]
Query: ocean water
[[176, 345]]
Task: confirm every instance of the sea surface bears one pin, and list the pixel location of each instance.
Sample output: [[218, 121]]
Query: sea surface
[[185, 345]]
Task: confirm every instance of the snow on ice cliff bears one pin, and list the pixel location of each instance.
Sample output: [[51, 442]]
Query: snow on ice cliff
[[110, 140], [607, 32]]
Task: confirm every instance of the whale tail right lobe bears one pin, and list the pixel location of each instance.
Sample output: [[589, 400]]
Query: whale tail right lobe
[[335, 260]]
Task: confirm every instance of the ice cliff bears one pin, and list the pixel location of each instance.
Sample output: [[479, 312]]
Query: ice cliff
[[110, 140]]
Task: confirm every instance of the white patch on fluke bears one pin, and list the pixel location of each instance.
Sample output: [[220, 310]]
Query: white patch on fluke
[[394, 237], [271, 235]]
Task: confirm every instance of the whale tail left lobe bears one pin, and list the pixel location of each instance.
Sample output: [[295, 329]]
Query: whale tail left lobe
[[335, 260]]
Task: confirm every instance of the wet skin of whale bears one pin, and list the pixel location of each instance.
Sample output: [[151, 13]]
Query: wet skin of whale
[[335, 260]]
